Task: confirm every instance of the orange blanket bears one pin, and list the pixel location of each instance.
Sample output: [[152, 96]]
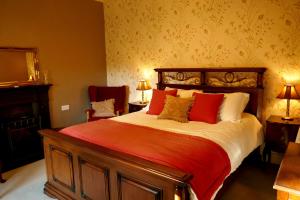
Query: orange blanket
[[205, 160]]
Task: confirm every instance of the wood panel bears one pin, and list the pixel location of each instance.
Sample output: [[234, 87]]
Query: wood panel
[[133, 189], [94, 181], [62, 167]]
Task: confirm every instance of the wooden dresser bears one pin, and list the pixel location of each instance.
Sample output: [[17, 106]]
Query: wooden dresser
[[23, 111], [287, 181]]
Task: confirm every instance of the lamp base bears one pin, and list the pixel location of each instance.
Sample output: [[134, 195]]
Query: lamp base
[[287, 118]]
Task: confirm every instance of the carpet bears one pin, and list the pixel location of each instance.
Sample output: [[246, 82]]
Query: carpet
[[25, 183]]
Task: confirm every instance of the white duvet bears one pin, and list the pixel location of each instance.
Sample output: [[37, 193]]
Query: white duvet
[[238, 139]]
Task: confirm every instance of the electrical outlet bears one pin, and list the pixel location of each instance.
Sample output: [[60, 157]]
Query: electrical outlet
[[65, 107]]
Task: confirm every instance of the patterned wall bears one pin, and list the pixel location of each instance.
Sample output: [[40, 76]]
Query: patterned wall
[[144, 34]]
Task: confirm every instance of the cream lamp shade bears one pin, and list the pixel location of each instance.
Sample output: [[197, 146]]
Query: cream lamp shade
[[288, 92], [143, 85]]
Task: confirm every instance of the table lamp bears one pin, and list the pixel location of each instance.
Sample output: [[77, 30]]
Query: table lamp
[[288, 92], [143, 85]]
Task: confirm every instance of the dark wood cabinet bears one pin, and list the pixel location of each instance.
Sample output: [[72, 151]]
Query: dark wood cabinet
[[23, 111], [279, 133], [136, 106]]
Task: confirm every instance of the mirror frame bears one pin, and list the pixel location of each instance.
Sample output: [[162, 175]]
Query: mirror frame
[[33, 77]]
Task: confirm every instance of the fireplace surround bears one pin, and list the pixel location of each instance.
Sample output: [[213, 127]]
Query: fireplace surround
[[24, 109]]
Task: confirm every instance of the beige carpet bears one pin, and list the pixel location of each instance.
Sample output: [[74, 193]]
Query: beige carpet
[[25, 183]]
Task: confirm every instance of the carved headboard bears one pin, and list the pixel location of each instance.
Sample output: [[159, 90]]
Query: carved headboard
[[217, 80]]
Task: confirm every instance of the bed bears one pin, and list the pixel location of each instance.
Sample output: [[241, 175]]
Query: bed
[[79, 168]]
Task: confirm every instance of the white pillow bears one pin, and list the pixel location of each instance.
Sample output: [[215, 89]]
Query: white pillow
[[187, 93], [233, 106], [184, 93], [104, 108]]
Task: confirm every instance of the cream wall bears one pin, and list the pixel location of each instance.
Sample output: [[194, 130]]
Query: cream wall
[[143, 34], [70, 37]]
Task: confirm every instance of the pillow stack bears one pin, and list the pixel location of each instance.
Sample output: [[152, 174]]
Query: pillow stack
[[184, 105]]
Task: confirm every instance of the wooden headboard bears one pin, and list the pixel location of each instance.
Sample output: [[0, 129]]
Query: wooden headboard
[[217, 80]]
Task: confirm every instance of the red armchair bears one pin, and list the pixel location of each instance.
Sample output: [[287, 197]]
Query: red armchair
[[101, 93]]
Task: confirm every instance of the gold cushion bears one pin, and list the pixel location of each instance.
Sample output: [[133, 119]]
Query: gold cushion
[[176, 108]]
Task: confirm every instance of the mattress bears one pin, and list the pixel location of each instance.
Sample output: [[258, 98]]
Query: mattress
[[238, 139]]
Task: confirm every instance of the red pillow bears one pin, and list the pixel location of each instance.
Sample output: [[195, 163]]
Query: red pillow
[[158, 100], [206, 107]]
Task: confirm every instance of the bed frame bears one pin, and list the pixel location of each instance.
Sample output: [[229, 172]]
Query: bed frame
[[80, 170]]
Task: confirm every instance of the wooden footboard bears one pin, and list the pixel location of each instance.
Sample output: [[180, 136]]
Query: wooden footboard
[[81, 170]]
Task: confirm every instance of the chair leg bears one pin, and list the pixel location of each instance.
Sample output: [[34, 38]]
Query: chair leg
[[1, 179], [87, 116]]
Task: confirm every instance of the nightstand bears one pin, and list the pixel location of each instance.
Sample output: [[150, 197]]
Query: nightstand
[[279, 133], [136, 106], [287, 181]]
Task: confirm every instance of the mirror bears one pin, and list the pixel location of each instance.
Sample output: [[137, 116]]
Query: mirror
[[18, 65]]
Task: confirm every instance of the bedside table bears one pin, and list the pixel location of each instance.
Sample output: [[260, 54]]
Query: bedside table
[[278, 134], [287, 181], [136, 106]]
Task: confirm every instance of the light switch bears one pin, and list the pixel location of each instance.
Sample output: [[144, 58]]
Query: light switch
[[65, 107]]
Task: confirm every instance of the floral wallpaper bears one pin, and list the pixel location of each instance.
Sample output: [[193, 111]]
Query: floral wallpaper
[[145, 34]]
